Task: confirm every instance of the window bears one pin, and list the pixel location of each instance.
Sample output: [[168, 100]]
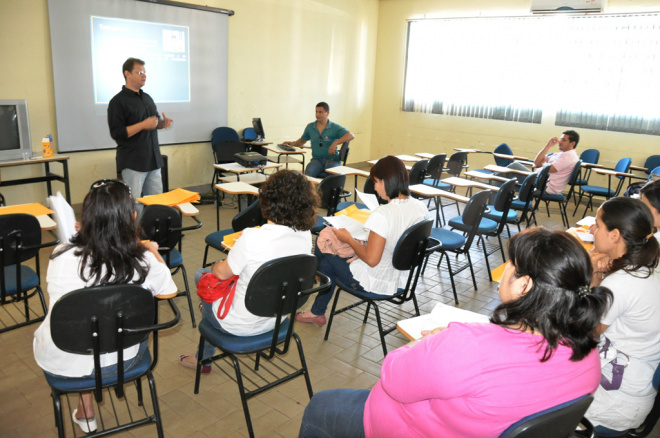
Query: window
[[593, 71]]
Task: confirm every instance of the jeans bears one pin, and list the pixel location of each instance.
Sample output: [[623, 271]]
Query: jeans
[[142, 184], [335, 413], [316, 167], [334, 267]]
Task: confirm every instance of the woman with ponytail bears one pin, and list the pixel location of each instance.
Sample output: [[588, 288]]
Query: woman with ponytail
[[625, 259], [475, 380]]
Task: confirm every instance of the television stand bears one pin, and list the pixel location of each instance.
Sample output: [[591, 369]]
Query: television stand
[[48, 178]]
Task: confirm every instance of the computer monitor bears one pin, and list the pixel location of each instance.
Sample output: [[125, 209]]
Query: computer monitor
[[15, 140], [258, 128]]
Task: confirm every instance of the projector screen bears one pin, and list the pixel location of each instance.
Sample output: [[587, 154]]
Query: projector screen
[[185, 55]]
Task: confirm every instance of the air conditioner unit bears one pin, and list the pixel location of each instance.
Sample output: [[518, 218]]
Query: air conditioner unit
[[566, 6]]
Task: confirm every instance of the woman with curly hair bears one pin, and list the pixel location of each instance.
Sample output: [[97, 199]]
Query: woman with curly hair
[[288, 203], [625, 259]]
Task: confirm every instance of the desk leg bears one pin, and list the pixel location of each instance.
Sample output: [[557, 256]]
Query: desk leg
[[67, 190], [49, 188]]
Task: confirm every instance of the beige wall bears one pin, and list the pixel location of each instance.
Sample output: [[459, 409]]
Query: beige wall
[[395, 131], [284, 57]]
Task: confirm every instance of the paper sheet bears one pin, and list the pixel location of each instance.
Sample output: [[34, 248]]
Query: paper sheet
[[368, 199], [354, 227], [440, 316], [64, 217]]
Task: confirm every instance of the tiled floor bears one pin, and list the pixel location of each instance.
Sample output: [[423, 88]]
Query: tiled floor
[[350, 358]]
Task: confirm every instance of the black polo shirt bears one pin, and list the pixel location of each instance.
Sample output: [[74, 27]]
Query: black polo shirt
[[141, 151]]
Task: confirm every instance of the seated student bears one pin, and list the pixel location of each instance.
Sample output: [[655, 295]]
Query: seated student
[[288, 203], [561, 163], [476, 380], [650, 195], [106, 250], [625, 258], [372, 270]]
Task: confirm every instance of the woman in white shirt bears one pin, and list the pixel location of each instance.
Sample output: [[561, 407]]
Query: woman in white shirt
[[625, 260], [106, 250], [372, 271], [650, 195], [288, 203]]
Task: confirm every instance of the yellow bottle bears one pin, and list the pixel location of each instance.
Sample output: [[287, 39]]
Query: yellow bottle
[[47, 147]]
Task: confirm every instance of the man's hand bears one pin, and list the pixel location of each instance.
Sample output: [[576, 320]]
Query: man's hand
[[553, 141], [332, 148], [166, 122], [150, 123]]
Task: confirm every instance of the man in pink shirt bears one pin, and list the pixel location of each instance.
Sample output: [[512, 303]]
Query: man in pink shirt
[[562, 163]]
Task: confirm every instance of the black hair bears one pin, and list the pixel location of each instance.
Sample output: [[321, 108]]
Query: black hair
[[108, 241], [129, 64], [560, 304], [323, 105], [288, 198], [573, 136], [634, 221], [395, 175], [651, 191]]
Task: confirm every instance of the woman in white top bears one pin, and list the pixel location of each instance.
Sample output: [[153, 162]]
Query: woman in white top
[[650, 195], [106, 250], [625, 260], [288, 203], [372, 271]]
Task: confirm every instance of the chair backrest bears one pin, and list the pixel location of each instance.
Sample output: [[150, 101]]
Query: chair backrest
[[225, 143], [248, 218], [557, 422], [651, 163], [330, 188], [249, 134], [409, 254], [655, 171], [542, 180], [343, 152], [369, 187], [456, 162], [418, 172], [622, 166], [104, 319], [20, 240], [503, 149], [590, 156], [275, 290], [502, 202], [574, 177], [472, 214], [162, 224], [527, 188], [436, 166]]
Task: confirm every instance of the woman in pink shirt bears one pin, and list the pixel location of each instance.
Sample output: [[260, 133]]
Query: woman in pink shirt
[[475, 380]]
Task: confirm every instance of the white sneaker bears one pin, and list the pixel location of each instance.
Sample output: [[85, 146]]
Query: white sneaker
[[87, 425]]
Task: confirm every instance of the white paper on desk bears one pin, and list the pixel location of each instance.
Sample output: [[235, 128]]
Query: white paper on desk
[[64, 217], [584, 236], [440, 316], [587, 220], [354, 227], [368, 199]]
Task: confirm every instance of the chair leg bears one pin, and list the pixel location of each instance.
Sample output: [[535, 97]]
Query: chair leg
[[190, 305], [198, 371], [303, 363], [57, 408], [241, 390], [380, 330], [451, 275], [474, 280], [366, 314], [499, 238], [483, 245], [206, 253], [154, 402], [332, 313]]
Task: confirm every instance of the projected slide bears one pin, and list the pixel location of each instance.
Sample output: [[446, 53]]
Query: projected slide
[[163, 47]]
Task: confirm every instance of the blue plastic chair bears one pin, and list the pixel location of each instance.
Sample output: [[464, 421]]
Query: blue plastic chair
[[456, 243], [524, 201], [560, 198], [588, 156], [249, 134], [622, 166], [559, 421], [652, 163], [503, 149]]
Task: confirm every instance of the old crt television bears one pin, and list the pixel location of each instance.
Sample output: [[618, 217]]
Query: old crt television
[[14, 130], [258, 129]]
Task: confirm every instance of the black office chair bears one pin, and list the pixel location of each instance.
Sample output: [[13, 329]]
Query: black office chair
[[20, 241], [523, 201], [417, 173], [330, 190], [539, 189], [225, 142], [457, 243], [560, 198], [105, 319], [247, 218], [559, 421], [278, 289], [409, 254], [163, 225], [343, 152], [455, 165]]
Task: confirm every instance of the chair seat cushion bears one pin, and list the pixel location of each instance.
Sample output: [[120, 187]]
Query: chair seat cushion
[[440, 185], [496, 215], [345, 204], [215, 239], [517, 204], [175, 259], [29, 279], [559, 197], [488, 172], [366, 295], [485, 226], [320, 224], [88, 383], [450, 240], [241, 344], [598, 191]]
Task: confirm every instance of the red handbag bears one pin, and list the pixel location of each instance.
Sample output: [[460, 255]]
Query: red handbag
[[211, 289]]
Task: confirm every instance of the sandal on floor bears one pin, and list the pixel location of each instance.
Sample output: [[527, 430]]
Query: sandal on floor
[[206, 369], [87, 425]]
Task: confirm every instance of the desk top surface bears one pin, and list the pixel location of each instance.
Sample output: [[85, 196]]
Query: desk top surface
[[346, 170], [275, 149], [237, 168], [238, 188], [462, 182], [428, 191], [500, 169], [34, 160], [35, 209]]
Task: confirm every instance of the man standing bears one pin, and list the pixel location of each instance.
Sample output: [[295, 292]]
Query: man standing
[[133, 120], [325, 137], [562, 163]]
